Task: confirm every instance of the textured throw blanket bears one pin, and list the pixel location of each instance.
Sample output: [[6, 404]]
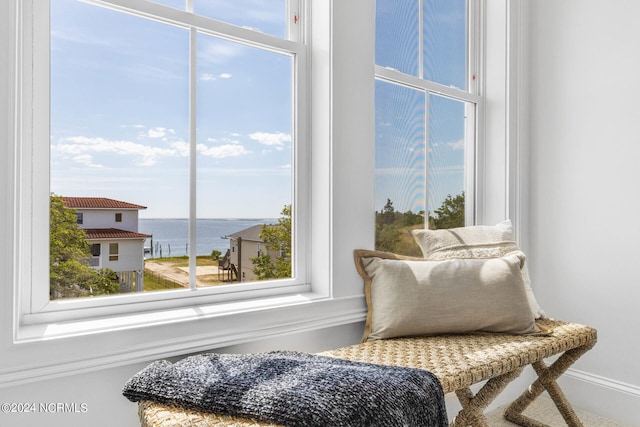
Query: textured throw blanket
[[295, 389]]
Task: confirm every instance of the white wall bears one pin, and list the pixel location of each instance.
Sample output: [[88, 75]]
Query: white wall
[[585, 171], [99, 218], [130, 255], [101, 391]]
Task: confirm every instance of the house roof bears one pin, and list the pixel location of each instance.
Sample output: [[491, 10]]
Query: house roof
[[251, 233], [113, 233], [98, 203]]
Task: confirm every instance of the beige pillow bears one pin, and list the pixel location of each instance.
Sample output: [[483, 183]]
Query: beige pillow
[[415, 296], [478, 241]]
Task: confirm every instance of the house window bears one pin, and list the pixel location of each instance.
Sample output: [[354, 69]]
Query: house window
[[426, 105], [79, 218], [113, 251], [191, 107], [95, 249]]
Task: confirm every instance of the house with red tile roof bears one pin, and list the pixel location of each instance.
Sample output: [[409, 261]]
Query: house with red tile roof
[[112, 231]]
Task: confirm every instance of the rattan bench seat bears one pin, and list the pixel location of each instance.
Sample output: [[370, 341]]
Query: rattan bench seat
[[458, 361]]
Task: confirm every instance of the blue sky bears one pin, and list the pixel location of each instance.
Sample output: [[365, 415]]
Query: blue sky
[[120, 125], [119, 121], [401, 131]]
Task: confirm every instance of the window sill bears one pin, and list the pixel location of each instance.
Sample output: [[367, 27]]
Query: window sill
[[56, 349]]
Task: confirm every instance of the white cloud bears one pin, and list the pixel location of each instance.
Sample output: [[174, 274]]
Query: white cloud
[[271, 139], [208, 77], [456, 145], [87, 160], [222, 151], [223, 140], [78, 146], [181, 147], [157, 133]]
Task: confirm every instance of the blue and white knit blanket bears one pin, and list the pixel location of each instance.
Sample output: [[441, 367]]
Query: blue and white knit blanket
[[295, 389]]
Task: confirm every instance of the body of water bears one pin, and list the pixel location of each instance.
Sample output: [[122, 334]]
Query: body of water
[[171, 236]]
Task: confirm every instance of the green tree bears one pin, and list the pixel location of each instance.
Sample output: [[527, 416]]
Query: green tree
[[277, 239], [69, 274], [393, 230], [451, 213], [388, 214], [215, 254]]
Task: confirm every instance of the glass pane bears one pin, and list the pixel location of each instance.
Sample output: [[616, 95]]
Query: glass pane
[[265, 16], [398, 35], [445, 42], [447, 124], [119, 122], [244, 158], [400, 166]]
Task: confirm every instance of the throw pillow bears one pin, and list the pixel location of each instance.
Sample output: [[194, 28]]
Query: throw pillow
[[414, 296], [478, 241]]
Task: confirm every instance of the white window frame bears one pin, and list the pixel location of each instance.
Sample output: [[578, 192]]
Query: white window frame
[[36, 307], [33, 115], [471, 97]]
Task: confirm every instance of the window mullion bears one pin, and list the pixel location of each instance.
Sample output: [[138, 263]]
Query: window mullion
[[427, 163], [193, 35], [421, 40]]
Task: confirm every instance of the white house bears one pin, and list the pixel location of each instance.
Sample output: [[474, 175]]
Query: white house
[[112, 231], [244, 245]]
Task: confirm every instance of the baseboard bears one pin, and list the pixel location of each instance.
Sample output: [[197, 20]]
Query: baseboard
[[602, 396]]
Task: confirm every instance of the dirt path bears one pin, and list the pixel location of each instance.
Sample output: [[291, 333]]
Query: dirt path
[[205, 275]]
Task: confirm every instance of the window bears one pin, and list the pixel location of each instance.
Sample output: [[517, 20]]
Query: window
[[97, 333], [113, 251], [197, 118], [95, 249], [425, 114], [79, 218]]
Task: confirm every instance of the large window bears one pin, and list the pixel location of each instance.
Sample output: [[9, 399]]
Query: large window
[[425, 115], [194, 114]]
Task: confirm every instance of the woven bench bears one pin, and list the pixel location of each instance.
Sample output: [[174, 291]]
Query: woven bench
[[459, 361]]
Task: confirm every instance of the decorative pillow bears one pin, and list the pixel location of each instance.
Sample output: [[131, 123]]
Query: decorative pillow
[[415, 296], [478, 241]]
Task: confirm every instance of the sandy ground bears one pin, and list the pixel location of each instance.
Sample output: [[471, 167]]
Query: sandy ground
[[205, 276]]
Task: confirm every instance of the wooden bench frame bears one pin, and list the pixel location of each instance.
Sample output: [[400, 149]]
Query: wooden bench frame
[[459, 361]]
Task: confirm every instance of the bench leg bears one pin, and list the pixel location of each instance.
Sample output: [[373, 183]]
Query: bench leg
[[473, 406], [547, 381]]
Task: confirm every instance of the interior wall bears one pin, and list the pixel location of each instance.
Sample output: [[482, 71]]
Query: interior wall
[[584, 198], [95, 398]]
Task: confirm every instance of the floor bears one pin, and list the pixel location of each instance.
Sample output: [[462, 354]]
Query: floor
[[543, 410]]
